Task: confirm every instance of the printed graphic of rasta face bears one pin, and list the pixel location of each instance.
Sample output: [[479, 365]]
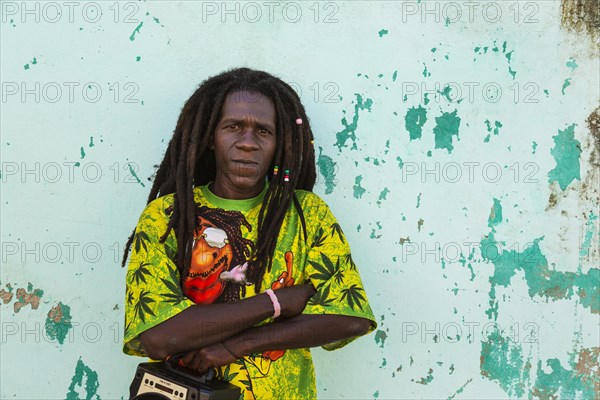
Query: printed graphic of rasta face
[[218, 246]]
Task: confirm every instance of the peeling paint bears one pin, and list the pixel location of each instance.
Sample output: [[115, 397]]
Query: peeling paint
[[327, 169], [501, 360], [358, 189], [564, 383], [31, 297], [380, 337], [541, 280], [426, 380], [414, 120], [383, 195], [132, 172], [496, 130], [58, 322], [566, 152], [565, 85], [446, 126], [6, 295], [135, 31], [350, 128], [91, 383]]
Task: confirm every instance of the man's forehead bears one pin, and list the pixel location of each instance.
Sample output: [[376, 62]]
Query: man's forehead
[[238, 103]]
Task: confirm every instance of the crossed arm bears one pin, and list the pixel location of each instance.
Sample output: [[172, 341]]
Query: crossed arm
[[201, 330]]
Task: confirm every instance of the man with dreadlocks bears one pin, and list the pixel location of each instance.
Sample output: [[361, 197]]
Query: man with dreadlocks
[[235, 262]]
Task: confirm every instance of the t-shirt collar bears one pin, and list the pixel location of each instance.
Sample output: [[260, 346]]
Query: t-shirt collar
[[236, 205]]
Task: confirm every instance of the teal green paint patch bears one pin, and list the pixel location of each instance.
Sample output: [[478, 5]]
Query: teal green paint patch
[[58, 322], [350, 128], [446, 126], [91, 142], [420, 223], [414, 120], [426, 380], [433, 49], [533, 147], [546, 92], [467, 262], [426, 98], [566, 152], [495, 214], [541, 280], [429, 153], [425, 72], [565, 85], [376, 394], [572, 64], [91, 383], [512, 72], [135, 31], [383, 195], [495, 131], [138, 58], [419, 200], [502, 361], [26, 67], [589, 232], [446, 93], [563, 383], [132, 172], [383, 32], [394, 76], [380, 337], [82, 153], [400, 162], [358, 189], [327, 169]]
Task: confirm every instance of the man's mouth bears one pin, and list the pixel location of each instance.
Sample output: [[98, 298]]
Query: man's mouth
[[247, 162]]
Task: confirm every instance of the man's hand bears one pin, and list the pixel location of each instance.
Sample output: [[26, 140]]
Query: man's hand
[[213, 356]]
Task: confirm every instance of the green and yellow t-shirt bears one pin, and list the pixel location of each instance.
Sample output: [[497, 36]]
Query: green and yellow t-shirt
[[225, 237]]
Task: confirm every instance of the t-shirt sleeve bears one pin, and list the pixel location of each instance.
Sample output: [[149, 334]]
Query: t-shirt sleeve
[[153, 293], [332, 271]]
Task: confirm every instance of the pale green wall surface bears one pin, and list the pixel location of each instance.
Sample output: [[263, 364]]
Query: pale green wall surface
[[472, 211]]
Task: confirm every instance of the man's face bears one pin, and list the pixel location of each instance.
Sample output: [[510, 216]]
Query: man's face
[[244, 144]]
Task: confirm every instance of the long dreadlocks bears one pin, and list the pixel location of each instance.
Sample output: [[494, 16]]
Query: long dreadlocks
[[189, 162]]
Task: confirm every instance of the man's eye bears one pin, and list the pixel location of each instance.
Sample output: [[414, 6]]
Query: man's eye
[[263, 131], [233, 126]]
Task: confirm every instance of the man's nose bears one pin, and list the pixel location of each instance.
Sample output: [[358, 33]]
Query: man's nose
[[247, 139]]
